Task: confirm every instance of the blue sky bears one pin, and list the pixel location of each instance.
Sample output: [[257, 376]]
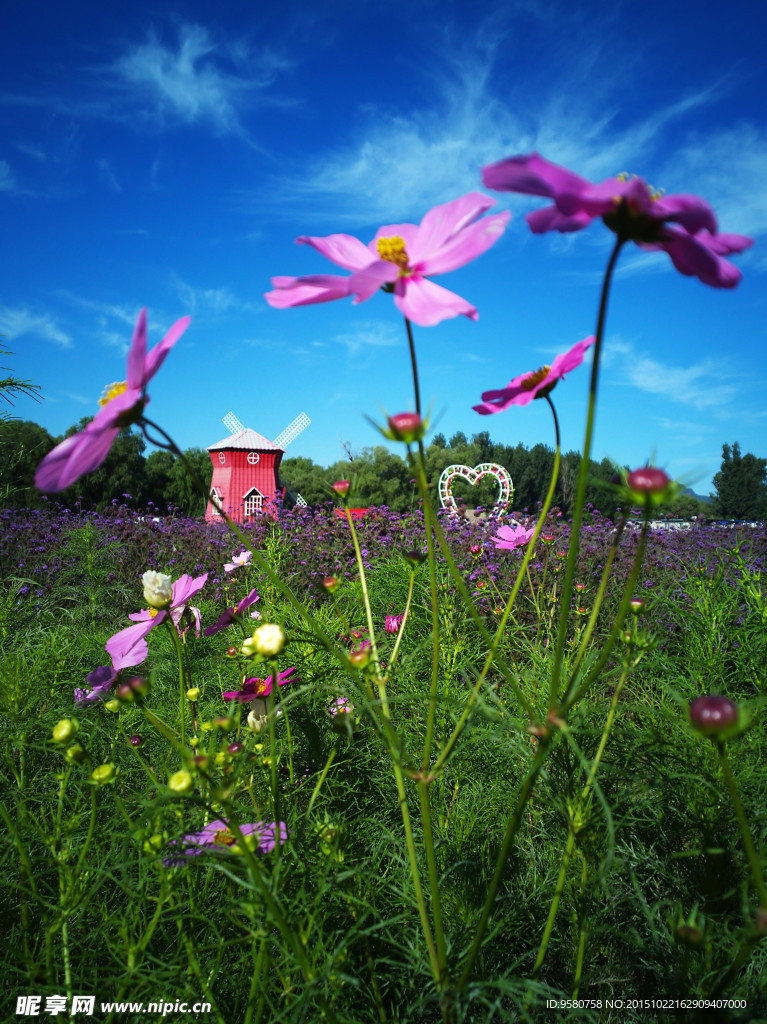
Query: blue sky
[[169, 156]]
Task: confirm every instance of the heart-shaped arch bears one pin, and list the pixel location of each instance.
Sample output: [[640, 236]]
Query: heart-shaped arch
[[449, 474]]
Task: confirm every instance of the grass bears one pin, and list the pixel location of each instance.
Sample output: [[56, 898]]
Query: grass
[[329, 924]]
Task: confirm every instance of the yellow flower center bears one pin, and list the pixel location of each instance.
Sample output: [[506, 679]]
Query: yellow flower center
[[655, 193], [112, 391], [224, 838], [393, 250], [152, 612], [535, 378]]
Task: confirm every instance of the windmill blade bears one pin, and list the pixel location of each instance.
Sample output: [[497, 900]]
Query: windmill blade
[[231, 422], [291, 432], [301, 501]]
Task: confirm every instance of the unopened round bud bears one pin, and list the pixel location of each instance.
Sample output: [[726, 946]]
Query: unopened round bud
[[360, 657], [475, 549], [413, 558], [158, 589], [713, 716], [269, 639], [342, 487], [231, 652], [124, 693], [65, 730], [223, 722], [636, 604], [561, 554], [648, 480], [137, 740], [112, 705], [248, 648], [180, 782], [548, 539], [331, 584], [193, 693], [103, 774], [194, 741], [200, 760], [139, 685], [75, 754], [235, 748], [407, 427]]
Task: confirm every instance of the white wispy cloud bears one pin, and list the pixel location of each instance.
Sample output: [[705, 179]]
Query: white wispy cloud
[[368, 334], [36, 152], [20, 322], [7, 181], [704, 385], [399, 161], [198, 80], [214, 301], [107, 175]]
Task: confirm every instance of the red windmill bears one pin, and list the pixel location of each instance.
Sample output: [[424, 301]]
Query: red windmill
[[246, 470]]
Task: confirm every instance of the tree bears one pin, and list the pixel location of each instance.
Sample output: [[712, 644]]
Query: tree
[[23, 445], [741, 485]]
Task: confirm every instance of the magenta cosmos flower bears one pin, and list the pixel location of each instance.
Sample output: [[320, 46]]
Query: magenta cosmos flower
[[393, 623], [100, 681], [684, 226], [231, 615], [536, 384], [217, 837], [401, 258], [129, 647], [255, 689], [122, 404], [510, 537]]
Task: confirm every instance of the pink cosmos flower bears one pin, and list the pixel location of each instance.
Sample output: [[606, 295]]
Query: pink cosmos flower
[[217, 837], [510, 537], [538, 384], [684, 226], [122, 404], [401, 258], [393, 622], [237, 560], [129, 647], [230, 615], [100, 681], [340, 706], [256, 689]]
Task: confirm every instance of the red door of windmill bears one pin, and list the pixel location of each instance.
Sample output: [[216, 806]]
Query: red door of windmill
[[246, 478]]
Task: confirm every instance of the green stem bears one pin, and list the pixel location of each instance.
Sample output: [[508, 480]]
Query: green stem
[[545, 747], [745, 831], [580, 493], [181, 680], [414, 366]]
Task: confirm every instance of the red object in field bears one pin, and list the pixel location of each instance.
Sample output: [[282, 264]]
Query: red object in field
[[246, 476], [357, 513]]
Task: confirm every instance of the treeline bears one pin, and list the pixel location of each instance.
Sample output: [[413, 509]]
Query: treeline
[[384, 478], [159, 478], [381, 477]]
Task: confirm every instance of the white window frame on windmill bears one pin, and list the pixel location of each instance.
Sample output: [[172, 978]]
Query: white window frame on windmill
[[222, 458], [254, 502], [254, 458], [215, 500]]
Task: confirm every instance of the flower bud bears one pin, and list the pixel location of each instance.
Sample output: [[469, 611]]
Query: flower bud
[[235, 748], [360, 657], [124, 693], [65, 730], [200, 760], [256, 722], [75, 754], [636, 604], [194, 741], [342, 488], [269, 639], [154, 843], [648, 479], [221, 757], [180, 782], [561, 555], [137, 740], [407, 427], [580, 587], [103, 774], [193, 693], [112, 705], [140, 686], [231, 652], [548, 539], [714, 716], [414, 558], [224, 723], [475, 549], [393, 623], [331, 584], [158, 589]]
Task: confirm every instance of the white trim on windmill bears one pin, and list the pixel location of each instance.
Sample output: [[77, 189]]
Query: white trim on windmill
[[291, 432], [231, 422]]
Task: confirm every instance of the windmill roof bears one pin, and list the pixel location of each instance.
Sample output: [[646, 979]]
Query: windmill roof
[[248, 440]]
